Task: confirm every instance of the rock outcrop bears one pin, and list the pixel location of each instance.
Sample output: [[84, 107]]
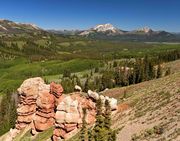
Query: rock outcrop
[[42, 106], [28, 93], [44, 117], [69, 114]]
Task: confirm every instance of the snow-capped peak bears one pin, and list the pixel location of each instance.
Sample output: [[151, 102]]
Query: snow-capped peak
[[105, 27], [145, 30]]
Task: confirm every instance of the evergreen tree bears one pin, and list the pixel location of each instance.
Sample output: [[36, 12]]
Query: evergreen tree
[[115, 64], [83, 133], [98, 129], [159, 71], [107, 78], [168, 72], [87, 85], [96, 70], [67, 73], [90, 135]]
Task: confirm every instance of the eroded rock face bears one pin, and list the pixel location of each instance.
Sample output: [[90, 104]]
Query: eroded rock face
[[56, 89], [42, 106], [44, 117], [28, 93], [69, 115]]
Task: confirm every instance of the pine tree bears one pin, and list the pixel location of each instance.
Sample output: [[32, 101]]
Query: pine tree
[[83, 133], [115, 64], [87, 85], [113, 136], [159, 71], [13, 113], [107, 115], [96, 70], [98, 129], [90, 135], [107, 120]]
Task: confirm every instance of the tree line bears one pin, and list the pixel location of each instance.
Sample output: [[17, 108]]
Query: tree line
[[119, 75]]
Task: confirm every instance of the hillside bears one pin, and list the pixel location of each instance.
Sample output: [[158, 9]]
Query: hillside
[[149, 110], [146, 111]]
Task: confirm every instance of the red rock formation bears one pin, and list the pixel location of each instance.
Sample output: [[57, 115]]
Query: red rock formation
[[69, 115], [56, 89], [28, 93], [38, 101], [44, 117]]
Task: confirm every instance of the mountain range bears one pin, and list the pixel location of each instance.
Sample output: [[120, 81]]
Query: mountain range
[[109, 32], [101, 31]]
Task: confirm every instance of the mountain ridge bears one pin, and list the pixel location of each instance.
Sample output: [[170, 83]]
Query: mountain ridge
[[99, 32]]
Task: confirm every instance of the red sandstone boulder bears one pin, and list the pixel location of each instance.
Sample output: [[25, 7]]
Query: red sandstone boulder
[[45, 101], [42, 123], [56, 89], [23, 109]]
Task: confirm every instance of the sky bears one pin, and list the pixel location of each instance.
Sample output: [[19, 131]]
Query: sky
[[84, 14]]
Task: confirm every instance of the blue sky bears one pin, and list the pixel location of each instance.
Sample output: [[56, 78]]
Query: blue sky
[[82, 14]]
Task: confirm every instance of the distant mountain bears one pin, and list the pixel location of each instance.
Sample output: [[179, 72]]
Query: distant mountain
[[7, 26], [101, 32], [65, 32], [109, 32], [107, 29]]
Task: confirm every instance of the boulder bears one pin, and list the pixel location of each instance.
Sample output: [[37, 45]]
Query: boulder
[[45, 101], [56, 89], [93, 95], [113, 104], [42, 123], [78, 88], [30, 87]]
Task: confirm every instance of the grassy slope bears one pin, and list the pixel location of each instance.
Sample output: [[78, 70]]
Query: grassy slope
[[151, 110], [12, 73]]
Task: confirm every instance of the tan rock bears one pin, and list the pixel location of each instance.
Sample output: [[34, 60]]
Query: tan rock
[[71, 117], [93, 95], [30, 87], [60, 117]]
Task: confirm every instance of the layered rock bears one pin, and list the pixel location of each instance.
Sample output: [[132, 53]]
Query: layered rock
[[56, 89], [44, 117], [28, 93], [69, 115], [42, 106]]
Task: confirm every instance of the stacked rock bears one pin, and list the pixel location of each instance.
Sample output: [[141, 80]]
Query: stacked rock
[[69, 115], [56, 89], [42, 106], [28, 93], [44, 117]]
